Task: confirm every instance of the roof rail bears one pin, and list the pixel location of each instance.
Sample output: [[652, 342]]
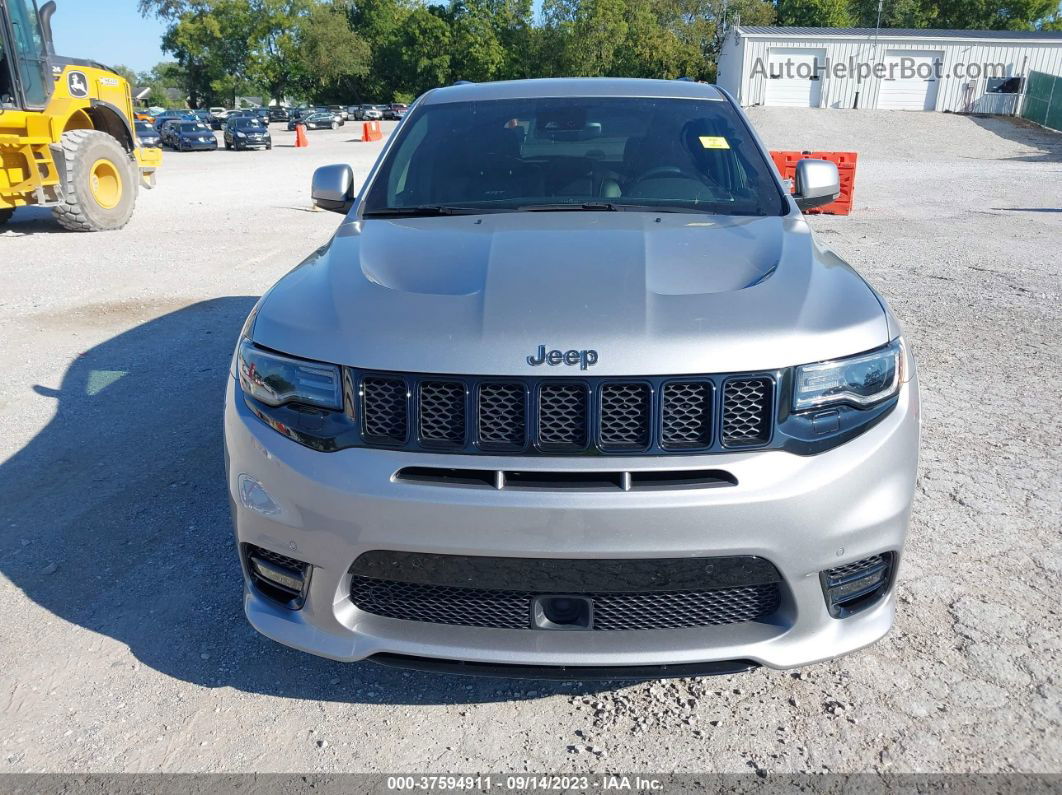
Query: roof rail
[[462, 83]]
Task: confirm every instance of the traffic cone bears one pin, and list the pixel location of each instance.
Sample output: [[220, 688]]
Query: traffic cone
[[300, 136]]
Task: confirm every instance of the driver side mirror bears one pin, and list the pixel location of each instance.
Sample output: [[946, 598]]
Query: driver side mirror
[[817, 183], [332, 188]]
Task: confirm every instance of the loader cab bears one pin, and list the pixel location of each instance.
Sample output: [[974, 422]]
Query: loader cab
[[24, 48]]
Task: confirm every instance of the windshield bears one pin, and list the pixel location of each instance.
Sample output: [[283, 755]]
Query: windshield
[[243, 122], [188, 128], [523, 154], [144, 128]]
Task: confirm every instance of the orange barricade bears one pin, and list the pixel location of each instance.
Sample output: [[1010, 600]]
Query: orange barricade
[[370, 131], [846, 162], [300, 135]]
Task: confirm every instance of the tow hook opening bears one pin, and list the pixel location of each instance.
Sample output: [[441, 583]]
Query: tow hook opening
[[562, 612]]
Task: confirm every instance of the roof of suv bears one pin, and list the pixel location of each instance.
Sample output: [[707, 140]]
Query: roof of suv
[[572, 87]]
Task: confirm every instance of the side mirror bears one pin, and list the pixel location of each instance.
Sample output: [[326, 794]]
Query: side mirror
[[817, 183], [332, 188]]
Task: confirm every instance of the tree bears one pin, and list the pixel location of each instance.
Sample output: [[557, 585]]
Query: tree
[[815, 13], [328, 51]]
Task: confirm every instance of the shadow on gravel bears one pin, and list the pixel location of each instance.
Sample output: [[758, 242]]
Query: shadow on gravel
[[115, 519], [1020, 131], [32, 221]]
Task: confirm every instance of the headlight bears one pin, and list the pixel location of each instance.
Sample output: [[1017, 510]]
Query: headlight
[[860, 380], [241, 135], [275, 379]]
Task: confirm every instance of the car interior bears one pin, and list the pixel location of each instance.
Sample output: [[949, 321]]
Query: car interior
[[571, 153]]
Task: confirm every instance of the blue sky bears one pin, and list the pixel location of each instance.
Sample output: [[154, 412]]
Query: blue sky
[[108, 31]]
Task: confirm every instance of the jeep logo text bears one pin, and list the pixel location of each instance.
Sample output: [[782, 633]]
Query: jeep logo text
[[582, 358]]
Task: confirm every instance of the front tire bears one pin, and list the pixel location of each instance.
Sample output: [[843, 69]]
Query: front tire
[[5, 215], [335, 126], [98, 180]]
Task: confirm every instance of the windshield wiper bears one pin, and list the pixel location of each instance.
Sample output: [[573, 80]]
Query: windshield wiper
[[422, 211]]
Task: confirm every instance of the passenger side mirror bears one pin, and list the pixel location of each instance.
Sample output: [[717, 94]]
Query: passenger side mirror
[[332, 188], [817, 183]]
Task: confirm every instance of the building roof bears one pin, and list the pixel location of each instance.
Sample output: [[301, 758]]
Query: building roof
[[921, 33], [572, 87]]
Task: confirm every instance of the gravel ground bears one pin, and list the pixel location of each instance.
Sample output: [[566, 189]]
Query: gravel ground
[[123, 646]]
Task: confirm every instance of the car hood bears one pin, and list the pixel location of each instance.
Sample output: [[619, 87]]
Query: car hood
[[652, 294]]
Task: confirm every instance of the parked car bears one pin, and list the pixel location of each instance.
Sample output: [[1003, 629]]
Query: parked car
[[166, 128], [334, 114], [369, 113], [247, 133], [148, 135], [166, 115], [702, 424], [278, 113], [316, 121], [187, 136], [395, 111], [208, 118], [340, 111], [219, 112]]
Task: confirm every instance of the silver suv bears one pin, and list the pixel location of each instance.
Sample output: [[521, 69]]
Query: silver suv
[[572, 392]]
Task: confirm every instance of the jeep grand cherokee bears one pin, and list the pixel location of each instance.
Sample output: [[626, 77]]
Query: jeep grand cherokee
[[573, 391]]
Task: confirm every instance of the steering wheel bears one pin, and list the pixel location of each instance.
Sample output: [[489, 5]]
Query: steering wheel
[[662, 171]]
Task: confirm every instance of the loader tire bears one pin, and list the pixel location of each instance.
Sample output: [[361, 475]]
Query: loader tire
[[5, 215], [99, 182]]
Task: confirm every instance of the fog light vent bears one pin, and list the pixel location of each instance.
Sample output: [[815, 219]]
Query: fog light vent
[[277, 576], [857, 585]]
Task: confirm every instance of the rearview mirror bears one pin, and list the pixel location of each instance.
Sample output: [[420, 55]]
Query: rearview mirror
[[817, 183], [332, 188]]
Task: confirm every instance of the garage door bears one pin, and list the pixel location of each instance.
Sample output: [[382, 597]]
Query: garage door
[[910, 81], [793, 78]]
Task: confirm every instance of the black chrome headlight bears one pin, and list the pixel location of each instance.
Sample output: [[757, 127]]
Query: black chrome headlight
[[275, 380], [861, 381]]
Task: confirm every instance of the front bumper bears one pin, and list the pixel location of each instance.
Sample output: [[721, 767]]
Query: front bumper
[[196, 146], [803, 514]]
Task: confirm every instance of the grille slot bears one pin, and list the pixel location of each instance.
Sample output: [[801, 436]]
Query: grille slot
[[686, 414], [562, 416], [626, 411], [502, 413], [384, 410], [475, 607], [442, 412], [747, 411]]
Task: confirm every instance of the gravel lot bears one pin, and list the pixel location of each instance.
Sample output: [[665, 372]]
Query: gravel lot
[[123, 645]]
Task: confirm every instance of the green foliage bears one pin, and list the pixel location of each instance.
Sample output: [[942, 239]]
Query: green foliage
[[815, 13], [346, 51]]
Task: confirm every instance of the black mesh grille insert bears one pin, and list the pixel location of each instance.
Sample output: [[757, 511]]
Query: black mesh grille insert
[[275, 557], [472, 607], [562, 416], [858, 567], [626, 410], [442, 412], [686, 414], [440, 604], [384, 408], [677, 609], [747, 411], [502, 415]]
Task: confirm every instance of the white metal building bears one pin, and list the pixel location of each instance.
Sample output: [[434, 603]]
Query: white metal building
[[964, 71]]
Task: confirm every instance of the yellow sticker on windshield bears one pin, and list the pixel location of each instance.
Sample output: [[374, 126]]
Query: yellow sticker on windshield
[[714, 142]]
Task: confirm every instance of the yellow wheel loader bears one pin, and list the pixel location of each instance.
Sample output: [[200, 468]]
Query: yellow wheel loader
[[67, 136]]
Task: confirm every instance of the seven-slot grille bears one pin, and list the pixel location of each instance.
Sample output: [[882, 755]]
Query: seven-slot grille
[[566, 416]]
